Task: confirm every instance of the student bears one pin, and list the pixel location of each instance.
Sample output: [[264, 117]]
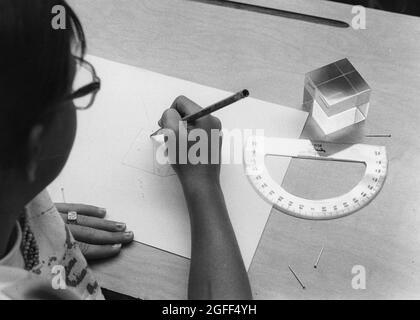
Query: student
[[37, 130]]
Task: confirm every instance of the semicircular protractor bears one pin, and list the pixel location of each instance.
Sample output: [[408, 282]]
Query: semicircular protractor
[[374, 157]]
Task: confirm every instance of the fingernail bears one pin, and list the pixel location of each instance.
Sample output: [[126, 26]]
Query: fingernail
[[116, 246], [120, 226], [102, 210], [128, 234]]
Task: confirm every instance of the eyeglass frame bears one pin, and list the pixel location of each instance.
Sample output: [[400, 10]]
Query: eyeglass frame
[[91, 88]]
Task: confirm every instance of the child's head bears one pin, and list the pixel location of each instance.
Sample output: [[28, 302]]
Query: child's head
[[37, 67]]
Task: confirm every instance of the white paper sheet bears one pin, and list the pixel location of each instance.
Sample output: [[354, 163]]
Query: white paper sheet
[[112, 164]]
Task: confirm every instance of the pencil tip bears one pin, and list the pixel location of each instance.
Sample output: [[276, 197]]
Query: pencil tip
[[245, 93]]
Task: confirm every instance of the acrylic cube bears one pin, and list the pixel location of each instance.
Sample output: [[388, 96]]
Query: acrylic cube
[[339, 96]]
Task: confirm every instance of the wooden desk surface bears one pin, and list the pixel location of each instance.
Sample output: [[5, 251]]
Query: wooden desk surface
[[231, 49]]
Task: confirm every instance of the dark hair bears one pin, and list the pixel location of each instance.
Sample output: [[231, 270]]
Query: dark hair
[[35, 68]]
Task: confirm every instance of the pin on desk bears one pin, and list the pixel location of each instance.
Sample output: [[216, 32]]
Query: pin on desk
[[62, 195], [318, 258], [297, 278], [339, 96]]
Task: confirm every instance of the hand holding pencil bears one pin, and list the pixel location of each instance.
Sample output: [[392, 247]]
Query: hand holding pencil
[[199, 113], [183, 109], [190, 173]]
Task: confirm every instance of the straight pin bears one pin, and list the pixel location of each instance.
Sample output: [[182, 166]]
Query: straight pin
[[319, 257], [378, 136], [62, 194], [297, 278]]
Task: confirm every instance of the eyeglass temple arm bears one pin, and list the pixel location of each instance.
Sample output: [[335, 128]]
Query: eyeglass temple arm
[[92, 87]]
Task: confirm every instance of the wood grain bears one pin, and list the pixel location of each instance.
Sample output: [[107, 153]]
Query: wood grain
[[232, 49]]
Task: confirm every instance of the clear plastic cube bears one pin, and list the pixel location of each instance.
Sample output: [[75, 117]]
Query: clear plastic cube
[[339, 96]]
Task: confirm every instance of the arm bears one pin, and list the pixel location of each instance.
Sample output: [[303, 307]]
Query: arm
[[217, 270]]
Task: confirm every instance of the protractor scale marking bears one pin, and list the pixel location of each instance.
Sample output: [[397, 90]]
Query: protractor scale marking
[[374, 157]]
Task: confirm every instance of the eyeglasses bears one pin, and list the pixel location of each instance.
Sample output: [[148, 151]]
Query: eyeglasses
[[86, 85]]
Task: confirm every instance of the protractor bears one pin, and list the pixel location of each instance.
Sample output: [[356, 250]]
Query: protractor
[[374, 158]]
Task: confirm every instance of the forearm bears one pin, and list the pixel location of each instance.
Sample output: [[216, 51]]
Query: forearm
[[217, 270]]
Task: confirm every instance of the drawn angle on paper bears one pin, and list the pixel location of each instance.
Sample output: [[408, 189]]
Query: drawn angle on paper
[[142, 155]]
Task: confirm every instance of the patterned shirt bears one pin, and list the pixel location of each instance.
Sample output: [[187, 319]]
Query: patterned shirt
[[62, 266]]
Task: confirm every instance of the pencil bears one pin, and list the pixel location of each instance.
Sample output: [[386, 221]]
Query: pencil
[[214, 107]]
